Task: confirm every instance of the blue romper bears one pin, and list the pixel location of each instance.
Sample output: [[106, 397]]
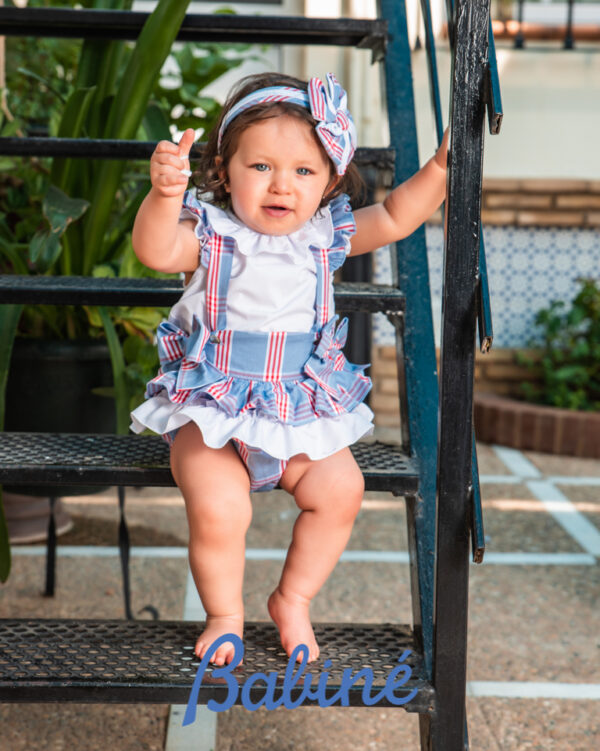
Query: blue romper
[[283, 378]]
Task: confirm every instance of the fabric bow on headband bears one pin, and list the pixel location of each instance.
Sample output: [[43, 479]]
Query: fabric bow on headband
[[335, 126], [327, 104]]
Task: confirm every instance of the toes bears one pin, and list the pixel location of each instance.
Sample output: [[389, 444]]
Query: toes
[[223, 656]]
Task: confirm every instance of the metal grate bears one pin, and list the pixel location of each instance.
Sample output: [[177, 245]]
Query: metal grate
[[378, 158], [81, 458], [110, 24], [100, 661], [88, 290]]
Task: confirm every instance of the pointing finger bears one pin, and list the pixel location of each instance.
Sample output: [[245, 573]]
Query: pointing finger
[[186, 142]]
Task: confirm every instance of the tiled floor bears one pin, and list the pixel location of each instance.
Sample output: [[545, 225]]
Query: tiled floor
[[533, 621]]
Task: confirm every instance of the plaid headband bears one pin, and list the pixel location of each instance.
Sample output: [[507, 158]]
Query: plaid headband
[[335, 127]]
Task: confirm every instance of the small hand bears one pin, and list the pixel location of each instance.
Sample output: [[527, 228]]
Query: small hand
[[441, 155], [170, 165]]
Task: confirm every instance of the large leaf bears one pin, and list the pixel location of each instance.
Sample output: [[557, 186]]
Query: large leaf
[[127, 112], [60, 210], [118, 368], [44, 249], [71, 126], [9, 319], [156, 124]]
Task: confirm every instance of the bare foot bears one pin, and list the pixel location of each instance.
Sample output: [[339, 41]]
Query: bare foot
[[290, 613], [216, 626]]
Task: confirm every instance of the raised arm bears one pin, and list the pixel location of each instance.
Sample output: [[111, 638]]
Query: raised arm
[[405, 208], [159, 239]]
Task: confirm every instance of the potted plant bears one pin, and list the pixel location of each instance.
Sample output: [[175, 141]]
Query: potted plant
[[560, 410], [74, 216]]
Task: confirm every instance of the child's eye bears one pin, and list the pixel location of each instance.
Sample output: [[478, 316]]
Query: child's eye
[[303, 171], [260, 167]]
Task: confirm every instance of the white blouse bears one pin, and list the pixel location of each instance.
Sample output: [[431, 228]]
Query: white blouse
[[273, 278]]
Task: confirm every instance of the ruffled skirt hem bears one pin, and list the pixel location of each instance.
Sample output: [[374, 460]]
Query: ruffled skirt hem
[[318, 438]]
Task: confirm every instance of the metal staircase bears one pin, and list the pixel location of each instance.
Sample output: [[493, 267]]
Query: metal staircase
[[104, 661]]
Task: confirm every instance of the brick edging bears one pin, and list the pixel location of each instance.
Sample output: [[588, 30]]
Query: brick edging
[[538, 202], [535, 427]]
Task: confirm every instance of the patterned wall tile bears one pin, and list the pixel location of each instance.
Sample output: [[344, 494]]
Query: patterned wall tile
[[528, 267]]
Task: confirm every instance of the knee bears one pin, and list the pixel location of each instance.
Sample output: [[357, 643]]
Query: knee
[[339, 496], [349, 493], [218, 517]]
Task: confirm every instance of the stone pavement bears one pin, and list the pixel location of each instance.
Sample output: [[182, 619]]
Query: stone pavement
[[533, 633]]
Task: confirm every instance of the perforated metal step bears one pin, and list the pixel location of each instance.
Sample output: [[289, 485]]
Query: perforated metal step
[[104, 661], [87, 290], [113, 24], [80, 458], [110, 148]]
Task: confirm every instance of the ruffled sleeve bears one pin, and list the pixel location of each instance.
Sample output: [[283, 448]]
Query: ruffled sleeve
[[192, 208], [344, 227]]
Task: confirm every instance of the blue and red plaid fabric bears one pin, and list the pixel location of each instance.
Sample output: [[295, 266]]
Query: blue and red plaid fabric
[[291, 377]]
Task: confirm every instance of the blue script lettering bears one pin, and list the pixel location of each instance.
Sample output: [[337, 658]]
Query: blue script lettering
[[391, 683], [225, 672], [267, 699], [292, 680]]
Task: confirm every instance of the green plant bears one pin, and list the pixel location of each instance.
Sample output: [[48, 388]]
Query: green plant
[[74, 216], [567, 363]]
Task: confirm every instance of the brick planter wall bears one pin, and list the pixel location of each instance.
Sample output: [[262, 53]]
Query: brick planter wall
[[536, 428], [499, 418]]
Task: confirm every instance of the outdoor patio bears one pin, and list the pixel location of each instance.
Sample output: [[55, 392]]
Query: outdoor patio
[[533, 635]]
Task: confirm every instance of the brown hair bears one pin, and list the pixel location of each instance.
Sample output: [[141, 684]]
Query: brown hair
[[207, 178]]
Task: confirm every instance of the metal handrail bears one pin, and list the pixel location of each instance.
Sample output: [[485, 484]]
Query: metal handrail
[[569, 39]]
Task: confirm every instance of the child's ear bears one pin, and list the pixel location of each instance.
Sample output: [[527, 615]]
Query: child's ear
[[221, 171]]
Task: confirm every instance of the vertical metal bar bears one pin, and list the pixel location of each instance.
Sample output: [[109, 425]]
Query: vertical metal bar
[[359, 269], [569, 42], [484, 317], [434, 85], [396, 318], [494, 99], [124, 553], [520, 39], [459, 303], [484, 312], [477, 531], [412, 277], [51, 550]]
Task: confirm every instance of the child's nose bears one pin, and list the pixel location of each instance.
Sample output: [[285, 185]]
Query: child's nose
[[280, 182]]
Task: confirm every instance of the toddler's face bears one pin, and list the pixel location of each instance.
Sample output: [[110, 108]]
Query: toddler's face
[[277, 176]]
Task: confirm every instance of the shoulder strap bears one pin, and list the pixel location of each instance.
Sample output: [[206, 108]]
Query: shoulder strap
[[217, 282], [321, 256]]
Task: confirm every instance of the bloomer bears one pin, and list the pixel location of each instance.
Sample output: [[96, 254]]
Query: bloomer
[[265, 471]]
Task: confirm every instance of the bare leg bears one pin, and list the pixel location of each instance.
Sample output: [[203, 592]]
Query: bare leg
[[216, 489], [329, 493]]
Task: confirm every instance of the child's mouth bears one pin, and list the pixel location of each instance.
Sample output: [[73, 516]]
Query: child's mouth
[[276, 211]]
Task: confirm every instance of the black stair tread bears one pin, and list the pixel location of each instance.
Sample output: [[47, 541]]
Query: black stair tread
[[106, 661], [111, 148], [143, 460], [85, 290], [114, 24]]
